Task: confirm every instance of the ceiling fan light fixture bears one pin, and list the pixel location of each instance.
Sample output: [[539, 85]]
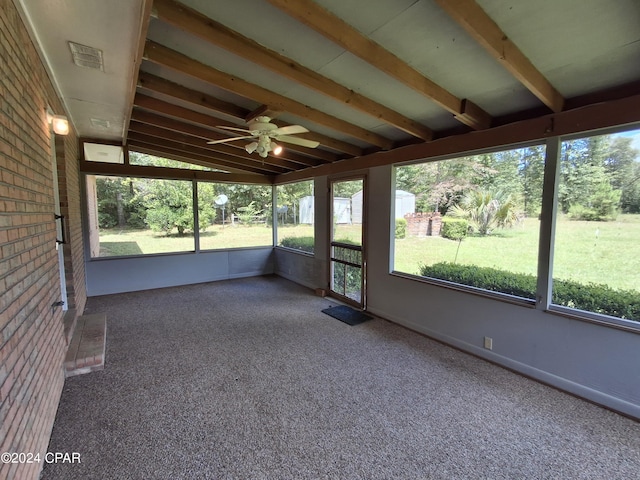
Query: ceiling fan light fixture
[[263, 150], [251, 147], [275, 148]]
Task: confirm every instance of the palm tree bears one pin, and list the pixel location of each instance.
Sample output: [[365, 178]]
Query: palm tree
[[486, 210]]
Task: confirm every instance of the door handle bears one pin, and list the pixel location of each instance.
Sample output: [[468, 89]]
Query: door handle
[[61, 218]]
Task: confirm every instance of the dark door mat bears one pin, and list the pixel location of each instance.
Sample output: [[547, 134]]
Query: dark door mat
[[347, 315]]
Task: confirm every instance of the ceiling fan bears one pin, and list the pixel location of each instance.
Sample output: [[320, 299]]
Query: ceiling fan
[[265, 134]]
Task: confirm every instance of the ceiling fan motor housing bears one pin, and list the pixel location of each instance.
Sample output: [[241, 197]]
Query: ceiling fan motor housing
[[261, 126]]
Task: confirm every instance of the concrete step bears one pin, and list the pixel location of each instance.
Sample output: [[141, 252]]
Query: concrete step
[[86, 351]]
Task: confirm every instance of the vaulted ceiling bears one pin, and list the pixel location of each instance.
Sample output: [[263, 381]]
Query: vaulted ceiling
[[362, 76]]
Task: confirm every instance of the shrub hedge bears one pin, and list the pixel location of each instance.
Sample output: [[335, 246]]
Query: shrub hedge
[[454, 228], [401, 228], [591, 297], [299, 243]]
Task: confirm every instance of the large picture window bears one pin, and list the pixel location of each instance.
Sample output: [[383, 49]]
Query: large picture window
[[596, 263], [472, 221], [295, 211], [138, 216], [234, 215]]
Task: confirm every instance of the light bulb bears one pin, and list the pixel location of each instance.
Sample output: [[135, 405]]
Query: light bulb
[[59, 123], [275, 148]]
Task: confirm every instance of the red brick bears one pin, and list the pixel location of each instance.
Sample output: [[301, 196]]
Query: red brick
[[32, 345]]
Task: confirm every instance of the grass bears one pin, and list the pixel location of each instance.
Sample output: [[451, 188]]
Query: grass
[[114, 242], [587, 252]]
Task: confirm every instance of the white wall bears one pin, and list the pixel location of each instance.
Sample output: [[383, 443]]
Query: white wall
[[310, 270], [118, 275], [596, 362]]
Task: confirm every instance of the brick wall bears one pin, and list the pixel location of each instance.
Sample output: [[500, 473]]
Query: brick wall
[[423, 224], [70, 197], [32, 346]]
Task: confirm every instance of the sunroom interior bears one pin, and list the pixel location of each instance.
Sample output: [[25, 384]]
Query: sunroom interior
[[390, 115]]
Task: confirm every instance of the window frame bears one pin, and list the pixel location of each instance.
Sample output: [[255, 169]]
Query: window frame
[[196, 233], [276, 228], [545, 300], [501, 296], [546, 239], [195, 248]]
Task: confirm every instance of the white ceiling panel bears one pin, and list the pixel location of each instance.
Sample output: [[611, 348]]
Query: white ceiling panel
[[579, 46]]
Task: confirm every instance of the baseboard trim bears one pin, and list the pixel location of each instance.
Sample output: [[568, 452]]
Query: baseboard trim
[[584, 392]]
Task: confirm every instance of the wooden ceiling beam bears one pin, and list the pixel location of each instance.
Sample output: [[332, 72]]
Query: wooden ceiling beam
[[225, 151], [173, 90], [201, 154], [145, 15], [470, 16], [337, 30], [141, 147], [262, 110], [166, 57], [234, 149], [146, 171], [195, 23], [166, 87], [154, 105]]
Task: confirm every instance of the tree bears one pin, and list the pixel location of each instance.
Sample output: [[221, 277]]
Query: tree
[[289, 196], [118, 204], [170, 205], [438, 185], [241, 196], [589, 170], [531, 173], [486, 210], [622, 163], [630, 197]]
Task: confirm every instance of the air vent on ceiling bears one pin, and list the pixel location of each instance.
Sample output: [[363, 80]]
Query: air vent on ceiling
[[87, 57], [99, 122]]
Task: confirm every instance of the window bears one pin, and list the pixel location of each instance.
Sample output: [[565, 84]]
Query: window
[[596, 264], [473, 221], [234, 215], [99, 152], [139, 216], [136, 158], [295, 215], [136, 216]]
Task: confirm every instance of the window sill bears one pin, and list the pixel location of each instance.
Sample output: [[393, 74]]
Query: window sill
[[566, 312], [295, 250], [502, 297], [186, 252], [598, 319]]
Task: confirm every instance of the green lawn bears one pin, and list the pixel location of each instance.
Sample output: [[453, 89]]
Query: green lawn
[[598, 252], [114, 242], [587, 252]]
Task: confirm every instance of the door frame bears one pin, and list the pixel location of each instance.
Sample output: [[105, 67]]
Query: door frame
[[363, 247], [59, 221]]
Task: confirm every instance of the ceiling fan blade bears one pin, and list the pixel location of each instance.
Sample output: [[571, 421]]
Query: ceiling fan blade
[[303, 142], [224, 140], [235, 129], [289, 130]]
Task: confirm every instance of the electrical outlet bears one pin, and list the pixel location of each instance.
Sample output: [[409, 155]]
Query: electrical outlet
[[488, 343]]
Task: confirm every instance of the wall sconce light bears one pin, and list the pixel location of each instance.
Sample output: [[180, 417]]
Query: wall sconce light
[[59, 123]]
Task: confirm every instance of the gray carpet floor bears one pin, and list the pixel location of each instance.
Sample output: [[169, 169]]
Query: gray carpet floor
[[247, 379]]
